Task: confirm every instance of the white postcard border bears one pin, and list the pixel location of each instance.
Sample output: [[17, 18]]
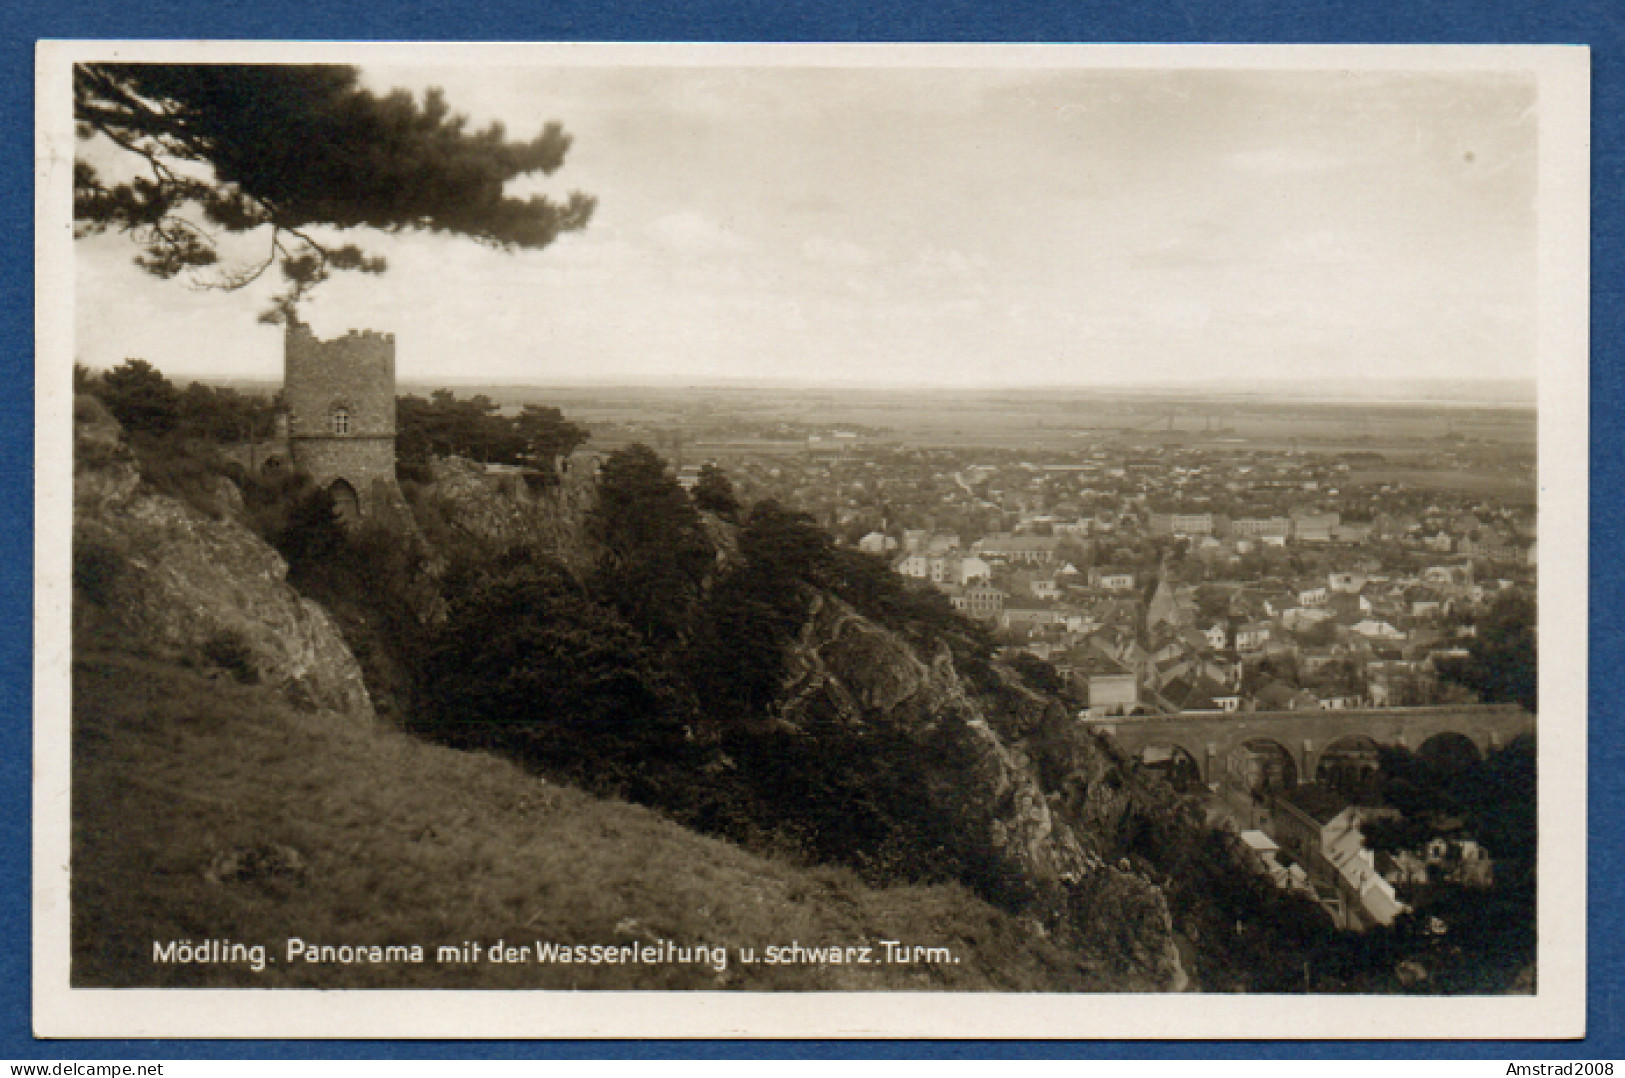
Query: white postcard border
[[1556, 1010]]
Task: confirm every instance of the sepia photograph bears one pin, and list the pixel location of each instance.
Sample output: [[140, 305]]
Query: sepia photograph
[[811, 541]]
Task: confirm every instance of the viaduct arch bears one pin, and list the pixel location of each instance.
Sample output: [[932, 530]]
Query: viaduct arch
[[1210, 738]]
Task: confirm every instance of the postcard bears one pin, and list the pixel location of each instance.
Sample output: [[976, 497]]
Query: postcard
[[583, 541]]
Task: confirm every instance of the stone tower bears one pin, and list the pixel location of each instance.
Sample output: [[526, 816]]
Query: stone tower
[[340, 398]]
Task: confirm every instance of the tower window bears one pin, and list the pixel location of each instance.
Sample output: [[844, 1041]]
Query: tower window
[[341, 421]]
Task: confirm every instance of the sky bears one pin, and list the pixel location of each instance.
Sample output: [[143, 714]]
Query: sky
[[948, 227]]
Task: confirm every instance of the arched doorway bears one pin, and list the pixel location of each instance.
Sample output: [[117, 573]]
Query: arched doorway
[[1450, 749], [1352, 766], [1174, 764], [1262, 765], [346, 505]]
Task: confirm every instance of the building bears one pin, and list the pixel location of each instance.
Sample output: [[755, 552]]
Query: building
[[1322, 831], [1028, 618], [977, 600], [877, 543], [1345, 583], [913, 564], [1026, 549], [1252, 636], [1309, 526], [972, 568], [338, 421], [1352, 532], [1110, 689], [1197, 691], [1181, 524], [1108, 579], [1263, 528], [340, 398]]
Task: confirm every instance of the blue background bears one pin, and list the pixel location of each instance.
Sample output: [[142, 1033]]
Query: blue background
[[1600, 24]]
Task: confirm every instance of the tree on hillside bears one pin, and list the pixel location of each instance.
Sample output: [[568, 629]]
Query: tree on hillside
[[475, 428], [141, 398], [565, 683], [656, 553], [284, 151], [225, 415], [714, 494], [757, 608], [1501, 665], [547, 435]]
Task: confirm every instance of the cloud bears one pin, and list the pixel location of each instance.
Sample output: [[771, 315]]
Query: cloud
[[938, 263], [1281, 161], [688, 232], [838, 253], [1322, 246]]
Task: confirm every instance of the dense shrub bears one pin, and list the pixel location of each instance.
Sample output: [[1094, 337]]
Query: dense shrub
[[1038, 673], [714, 494], [1501, 666], [912, 607], [561, 681], [656, 554], [413, 471], [737, 658], [296, 517], [96, 568], [140, 398], [445, 426], [229, 650], [184, 469]]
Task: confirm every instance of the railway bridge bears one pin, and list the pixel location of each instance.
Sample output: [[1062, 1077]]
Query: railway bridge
[[1224, 743]]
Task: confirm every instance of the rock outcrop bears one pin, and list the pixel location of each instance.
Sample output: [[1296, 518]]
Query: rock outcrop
[[189, 585], [503, 511], [848, 671]]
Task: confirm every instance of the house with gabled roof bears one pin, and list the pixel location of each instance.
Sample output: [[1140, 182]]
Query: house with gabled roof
[[1319, 827], [1195, 691], [1109, 688], [1252, 636], [1279, 696]]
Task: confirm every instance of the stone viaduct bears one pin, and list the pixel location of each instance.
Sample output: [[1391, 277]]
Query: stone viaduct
[[1212, 739]]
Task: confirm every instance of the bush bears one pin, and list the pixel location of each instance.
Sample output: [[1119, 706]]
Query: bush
[[537, 481], [413, 471], [228, 649], [185, 470], [141, 398], [96, 567], [290, 512], [714, 494], [914, 608], [656, 554], [564, 684], [311, 534]]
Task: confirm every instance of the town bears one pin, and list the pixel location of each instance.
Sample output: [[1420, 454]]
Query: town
[[1161, 578], [1179, 575]]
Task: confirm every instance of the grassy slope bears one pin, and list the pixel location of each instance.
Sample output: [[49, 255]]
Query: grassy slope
[[407, 842]]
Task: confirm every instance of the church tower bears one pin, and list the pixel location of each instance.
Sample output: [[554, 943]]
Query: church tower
[[340, 398]]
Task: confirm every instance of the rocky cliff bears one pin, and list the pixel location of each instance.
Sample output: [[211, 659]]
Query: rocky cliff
[[190, 585], [1020, 786], [1055, 835], [504, 511]]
